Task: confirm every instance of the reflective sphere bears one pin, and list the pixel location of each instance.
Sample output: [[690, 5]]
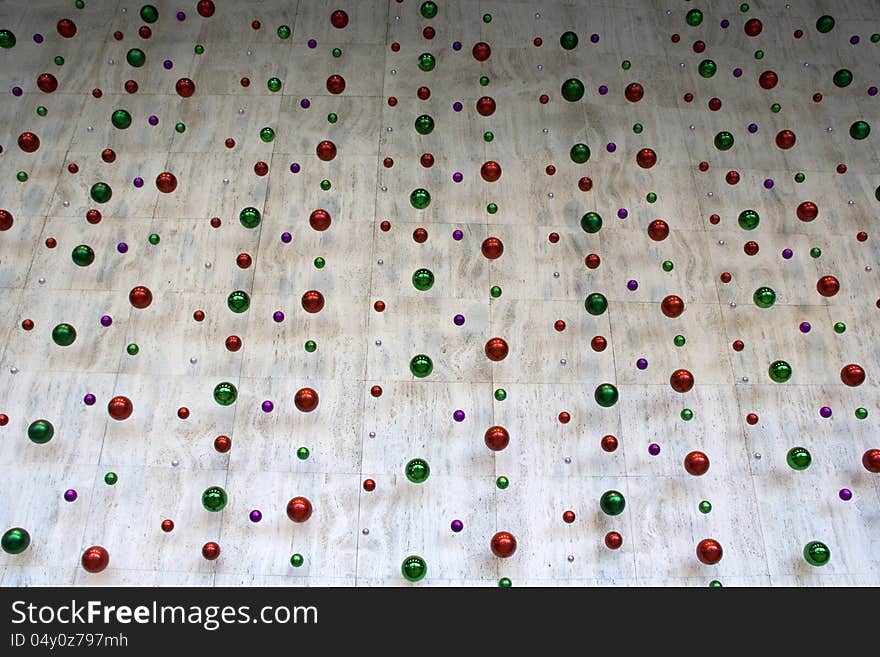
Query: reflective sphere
[[306, 400], [299, 509], [95, 559], [709, 551], [503, 544]]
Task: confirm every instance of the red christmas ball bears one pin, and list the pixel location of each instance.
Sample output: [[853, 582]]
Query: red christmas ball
[[185, 87], [496, 349], [550, 170], [140, 297], [261, 168], [130, 86], [28, 142], [490, 171], [312, 301], [339, 19], [658, 230], [299, 509], [73, 167], [369, 485], [145, 32], [699, 46], [871, 460], [120, 408], [714, 104], [696, 463], [66, 28], [108, 155], [703, 166], [93, 216], [852, 375], [335, 84], [183, 412], [681, 380], [785, 139], [559, 325], [376, 391], [320, 220], [672, 306], [222, 444], [714, 219], [807, 211], [553, 237], [768, 80], [95, 559], [496, 438], [245, 82], [752, 418], [4, 419], [233, 343], [585, 184], [27, 324], [709, 551], [543, 99], [6, 220], [326, 150], [205, 8], [564, 417], [47, 83], [828, 286], [230, 142], [429, 32], [609, 443], [751, 248], [167, 525], [841, 168], [481, 51], [211, 550], [492, 248], [379, 306], [646, 158], [426, 160], [199, 315], [503, 544], [568, 517], [688, 97], [385, 226], [738, 345], [244, 260], [166, 182], [420, 235], [732, 177], [51, 243], [423, 93], [753, 27], [598, 343], [306, 400], [486, 106], [592, 261], [634, 92], [613, 540]]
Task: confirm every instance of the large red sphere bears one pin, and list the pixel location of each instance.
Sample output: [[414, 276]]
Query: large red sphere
[[492, 248], [496, 349], [768, 80], [6, 220], [185, 87], [47, 83], [339, 19], [306, 400], [828, 286], [423, 93], [852, 375], [481, 51], [609, 443], [326, 150], [681, 380], [66, 28], [299, 509], [503, 544], [646, 158], [785, 139], [140, 297], [486, 106], [585, 184], [166, 182], [753, 27], [709, 551], [222, 444], [120, 408], [871, 460], [634, 92], [95, 559], [28, 142], [335, 84], [696, 463], [312, 301], [319, 220], [613, 540], [496, 438], [211, 550], [490, 171], [205, 8], [658, 230], [672, 306], [807, 211]]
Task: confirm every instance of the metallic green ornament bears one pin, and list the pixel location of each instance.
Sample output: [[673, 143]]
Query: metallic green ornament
[[764, 297], [707, 68], [310, 346], [591, 222], [319, 262], [136, 57], [238, 301], [121, 119], [21, 176], [638, 128], [132, 349], [799, 177], [413, 568], [859, 130], [875, 38], [302, 453], [484, 80], [42, 111], [505, 583], [417, 471], [651, 197], [83, 255], [100, 192], [687, 414], [420, 198], [495, 291], [297, 560], [839, 327], [149, 14], [7, 39], [817, 553], [502, 482], [40, 431], [267, 135], [325, 185], [180, 127], [153, 238], [694, 17], [423, 279], [667, 265], [492, 208], [579, 153], [250, 217], [572, 90], [714, 584], [424, 124], [428, 9], [825, 24], [332, 117], [759, 54], [798, 458], [705, 506], [748, 219], [815, 252], [214, 499], [842, 78], [606, 395], [724, 141], [488, 136], [780, 371], [487, 18], [111, 478], [678, 340], [421, 366], [861, 413], [744, 7], [427, 62], [225, 393], [336, 52], [500, 394], [199, 49], [612, 503], [568, 40], [63, 335], [15, 540], [283, 32], [274, 84], [626, 65], [596, 304]]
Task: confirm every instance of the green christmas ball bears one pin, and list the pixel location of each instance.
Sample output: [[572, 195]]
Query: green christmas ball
[[336, 52], [591, 222], [825, 24], [225, 393], [332, 117], [199, 49], [799, 177], [420, 198], [320, 262], [596, 304], [780, 371], [694, 17], [748, 219], [859, 130], [59, 60], [651, 197], [15, 540], [111, 478], [423, 279], [759, 54], [495, 292], [325, 185], [214, 499], [568, 40], [764, 297], [424, 124], [606, 395], [63, 335], [100, 192], [267, 135], [678, 340], [572, 90], [297, 560], [687, 414], [707, 68], [724, 141], [798, 458], [21, 176], [487, 18], [427, 62], [839, 327], [861, 413], [274, 84], [121, 119], [484, 80], [7, 39], [502, 482], [668, 265], [714, 584], [815, 252], [132, 349], [842, 78], [705, 506], [250, 217], [40, 431], [83, 255], [626, 64], [180, 127], [302, 453], [417, 471], [310, 346], [421, 366], [817, 553], [500, 394], [414, 567], [153, 238], [238, 301], [42, 111], [775, 108], [136, 57], [579, 153], [488, 136], [428, 10], [149, 14], [505, 583], [612, 503], [283, 32], [492, 208]]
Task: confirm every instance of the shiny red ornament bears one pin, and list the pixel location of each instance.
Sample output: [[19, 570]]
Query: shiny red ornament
[[233, 343], [598, 343], [714, 104], [486, 106], [828, 286], [675, 38], [27, 324], [376, 391], [543, 99], [256, 25], [699, 46], [634, 92], [585, 184], [429, 32], [658, 230], [503, 544], [130, 86], [550, 170], [145, 32], [185, 87], [199, 315], [312, 301], [4, 419], [807, 211], [725, 277], [559, 325], [183, 412], [426, 160], [492, 248], [768, 80], [862, 236], [709, 551], [646, 158], [785, 139], [817, 97], [166, 182], [306, 400], [108, 155], [420, 235], [326, 150], [496, 349], [205, 8], [568, 517], [261, 168], [841, 168], [215, 222], [564, 417], [592, 261], [244, 260], [672, 306], [299, 509], [339, 19], [538, 42], [496, 438], [120, 408], [753, 27], [335, 84], [752, 418], [47, 83], [703, 166], [320, 220], [696, 463], [681, 380], [688, 97], [95, 559], [732, 177], [613, 540], [66, 28], [230, 142], [481, 51], [871, 460], [118, 35], [553, 238], [211, 550], [751, 248], [392, 101], [6, 220], [714, 219], [51, 243], [490, 171], [140, 297], [73, 167], [245, 82], [852, 375], [222, 444], [28, 142], [385, 226], [609, 443], [798, 34], [379, 306], [423, 93], [369, 485], [167, 525], [738, 345]]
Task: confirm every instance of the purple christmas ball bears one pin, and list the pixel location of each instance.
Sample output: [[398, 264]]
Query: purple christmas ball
[[642, 364], [753, 128], [181, 16], [456, 525], [305, 103], [805, 327], [286, 237], [737, 72], [457, 177], [256, 515], [122, 247], [456, 46], [457, 235], [594, 38], [278, 316], [825, 412], [106, 320], [854, 40], [458, 319], [457, 106], [458, 415], [787, 253], [153, 120], [622, 213], [38, 38], [872, 91], [725, 23], [611, 147], [138, 182], [632, 285], [845, 494], [89, 399], [768, 183], [168, 64], [70, 495], [603, 90], [267, 406], [16, 91], [653, 449], [313, 43]]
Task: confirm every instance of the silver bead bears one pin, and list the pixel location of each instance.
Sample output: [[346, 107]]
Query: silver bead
[[384, 188], [563, 362], [829, 129], [208, 265], [90, 129], [537, 17], [556, 274], [787, 6], [41, 280], [393, 71], [175, 463], [365, 531], [241, 110], [66, 204], [193, 360], [226, 181], [681, 64], [720, 242], [389, 129], [372, 434], [669, 12], [397, 18], [567, 460], [867, 267], [378, 343], [550, 195], [111, 61], [710, 194], [692, 126], [13, 370], [757, 456], [250, 52], [380, 262], [570, 558], [125, 10], [733, 304], [850, 202], [806, 64], [545, 130], [540, 67], [745, 379]]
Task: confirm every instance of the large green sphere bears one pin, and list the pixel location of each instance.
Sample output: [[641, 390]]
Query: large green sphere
[[817, 553], [40, 431], [136, 57], [420, 198], [612, 503], [591, 223], [606, 395], [825, 24], [780, 371], [274, 84], [749, 219], [427, 62], [417, 471], [283, 32], [596, 304], [421, 366], [249, 217], [7, 39], [225, 393], [121, 119], [724, 141], [798, 458], [843, 78], [568, 40], [83, 255], [149, 14], [267, 135], [579, 153], [414, 567], [859, 130], [572, 90], [764, 297], [15, 540], [707, 68], [424, 125], [238, 301], [694, 17], [63, 335], [423, 279], [100, 192], [214, 499], [428, 9]]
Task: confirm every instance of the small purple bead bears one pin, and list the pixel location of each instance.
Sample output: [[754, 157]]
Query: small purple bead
[[267, 406], [89, 399], [845, 494], [457, 235], [256, 515], [458, 416], [611, 147], [872, 91], [594, 38], [305, 103], [632, 285], [603, 90], [642, 364], [38, 38], [456, 46], [153, 120], [456, 526], [181, 16], [768, 183], [737, 72], [313, 43], [16, 91], [457, 177], [622, 213], [286, 237], [168, 64], [805, 327], [787, 253], [278, 316], [753, 128], [70, 495], [138, 182], [294, 168], [106, 320], [458, 319], [457, 106], [854, 40], [653, 449], [825, 412], [122, 247], [725, 24]]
